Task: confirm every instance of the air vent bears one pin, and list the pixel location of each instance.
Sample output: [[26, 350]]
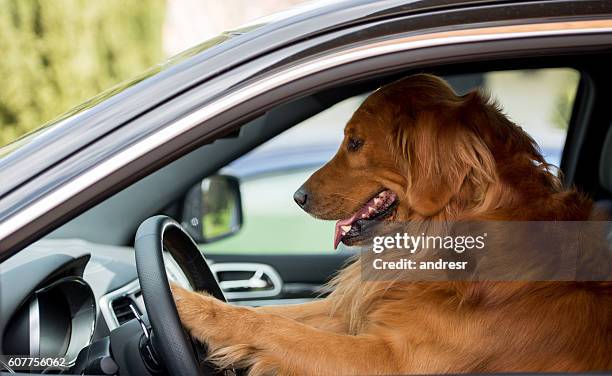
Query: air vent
[[121, 308]]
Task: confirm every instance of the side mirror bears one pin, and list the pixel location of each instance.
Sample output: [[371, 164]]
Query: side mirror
[[212, 209]]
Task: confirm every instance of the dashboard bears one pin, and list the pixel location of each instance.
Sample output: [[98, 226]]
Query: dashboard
[[51, 302], [61, 299], [55, 322]]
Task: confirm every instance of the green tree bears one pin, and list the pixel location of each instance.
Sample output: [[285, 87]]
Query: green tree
[[58, 53]]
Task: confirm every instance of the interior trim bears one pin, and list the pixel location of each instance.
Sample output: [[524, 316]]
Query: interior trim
[[580, 118], [34, 322], [433, 39]]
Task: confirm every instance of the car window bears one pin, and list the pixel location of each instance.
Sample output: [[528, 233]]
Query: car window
[[270, 174], [273, 223], [538, 100]]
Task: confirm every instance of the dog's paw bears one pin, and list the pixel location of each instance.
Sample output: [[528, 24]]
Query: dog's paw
[[250, 358], [196, 310]]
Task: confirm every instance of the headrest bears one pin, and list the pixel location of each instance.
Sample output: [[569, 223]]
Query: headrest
[[605, 163]]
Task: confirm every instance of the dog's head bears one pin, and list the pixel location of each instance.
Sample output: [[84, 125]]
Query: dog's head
[[416, 150]]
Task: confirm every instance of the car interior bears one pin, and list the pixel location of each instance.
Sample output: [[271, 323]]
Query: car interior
[[261, 248]]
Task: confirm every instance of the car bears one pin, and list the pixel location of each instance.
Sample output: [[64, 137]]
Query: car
[[186, 151]]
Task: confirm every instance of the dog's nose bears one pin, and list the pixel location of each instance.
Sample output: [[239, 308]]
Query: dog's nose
[[301, 196]]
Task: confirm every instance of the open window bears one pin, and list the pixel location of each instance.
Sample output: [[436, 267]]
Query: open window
[[539, 100]]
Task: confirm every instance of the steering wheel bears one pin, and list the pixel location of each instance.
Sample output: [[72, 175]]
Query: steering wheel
[[161, 245]]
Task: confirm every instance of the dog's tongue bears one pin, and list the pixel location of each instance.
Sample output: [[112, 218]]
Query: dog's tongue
[[381, 201], [361, 213], [343, 222]]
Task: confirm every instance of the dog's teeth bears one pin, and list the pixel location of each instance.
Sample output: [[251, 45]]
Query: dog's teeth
[[364, 215], [371, 210], [346, 228], [377, 201], [343, 233]]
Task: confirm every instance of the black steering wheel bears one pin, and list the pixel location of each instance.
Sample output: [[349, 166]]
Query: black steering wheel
[[161, 241]]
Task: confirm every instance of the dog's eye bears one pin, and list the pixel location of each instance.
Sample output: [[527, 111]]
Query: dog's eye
[[354, 144]]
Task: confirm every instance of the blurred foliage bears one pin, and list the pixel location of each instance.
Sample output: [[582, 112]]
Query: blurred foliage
[[564, 103], [58, 53]]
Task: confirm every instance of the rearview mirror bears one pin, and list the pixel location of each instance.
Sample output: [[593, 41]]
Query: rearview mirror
[[212, 209]]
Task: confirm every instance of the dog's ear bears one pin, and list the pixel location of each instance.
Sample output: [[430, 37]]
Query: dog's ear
[[441, 155]]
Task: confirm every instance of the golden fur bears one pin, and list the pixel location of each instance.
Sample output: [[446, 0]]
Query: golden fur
[[448, 158]]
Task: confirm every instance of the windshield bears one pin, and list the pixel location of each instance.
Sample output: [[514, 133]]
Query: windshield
[[166, 64], [80, 109]]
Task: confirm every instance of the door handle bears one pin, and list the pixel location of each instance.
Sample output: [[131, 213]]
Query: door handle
[[265, 282], [255, 282]]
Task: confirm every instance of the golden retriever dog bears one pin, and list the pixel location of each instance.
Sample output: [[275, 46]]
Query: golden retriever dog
[[416, 151]]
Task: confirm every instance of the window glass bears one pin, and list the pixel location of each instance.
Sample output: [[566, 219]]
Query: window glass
[[538, 100], [270, 174]]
